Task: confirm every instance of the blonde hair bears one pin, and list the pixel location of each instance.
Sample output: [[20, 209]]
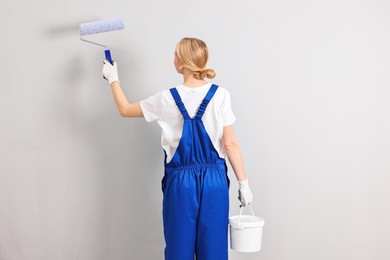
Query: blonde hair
[[193, 54]]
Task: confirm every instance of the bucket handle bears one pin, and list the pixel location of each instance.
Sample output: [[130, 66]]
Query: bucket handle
[[238, 222]]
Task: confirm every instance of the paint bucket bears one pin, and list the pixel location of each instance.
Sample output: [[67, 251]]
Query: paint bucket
[[246, 232]]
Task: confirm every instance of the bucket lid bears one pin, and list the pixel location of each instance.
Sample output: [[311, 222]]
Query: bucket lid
[[247, 221]]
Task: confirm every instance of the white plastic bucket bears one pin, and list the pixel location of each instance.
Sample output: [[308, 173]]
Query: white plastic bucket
[[246, 232]]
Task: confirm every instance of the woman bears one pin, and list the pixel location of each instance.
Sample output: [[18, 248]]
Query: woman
[[197, 133]]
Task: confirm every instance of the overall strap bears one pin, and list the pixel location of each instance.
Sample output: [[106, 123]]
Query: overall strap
[[179, 103], [206, 101]]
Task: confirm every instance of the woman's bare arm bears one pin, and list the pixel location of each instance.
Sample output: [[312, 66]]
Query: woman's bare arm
[[233, 151], [124, 107]]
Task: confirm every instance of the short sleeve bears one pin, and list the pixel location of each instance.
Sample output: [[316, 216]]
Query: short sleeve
[[226, 110], [152, 106]]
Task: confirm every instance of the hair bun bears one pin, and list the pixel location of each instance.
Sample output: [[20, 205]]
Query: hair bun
[[205, 73]]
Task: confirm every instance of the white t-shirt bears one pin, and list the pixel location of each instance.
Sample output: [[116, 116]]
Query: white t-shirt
[[162, 107]]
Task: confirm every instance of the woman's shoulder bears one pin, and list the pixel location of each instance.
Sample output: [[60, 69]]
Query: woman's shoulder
[[223, 90], [222, 93]]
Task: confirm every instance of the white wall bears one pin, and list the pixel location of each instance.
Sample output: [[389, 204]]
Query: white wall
[[310, 88]]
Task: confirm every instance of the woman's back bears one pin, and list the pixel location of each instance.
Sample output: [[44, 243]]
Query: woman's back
[[162, 107]]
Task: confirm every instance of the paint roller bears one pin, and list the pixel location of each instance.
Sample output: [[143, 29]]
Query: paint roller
[[101, 27]]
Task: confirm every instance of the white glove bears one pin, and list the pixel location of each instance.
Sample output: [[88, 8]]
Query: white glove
[[245, 194], [110, 72]]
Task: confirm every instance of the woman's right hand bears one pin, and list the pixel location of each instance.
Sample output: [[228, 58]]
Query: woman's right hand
[[110, 72]]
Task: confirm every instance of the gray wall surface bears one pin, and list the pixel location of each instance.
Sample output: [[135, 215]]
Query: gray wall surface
[[310, 89]]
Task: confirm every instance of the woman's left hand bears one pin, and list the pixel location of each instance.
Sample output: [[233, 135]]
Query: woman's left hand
[[245, 194]]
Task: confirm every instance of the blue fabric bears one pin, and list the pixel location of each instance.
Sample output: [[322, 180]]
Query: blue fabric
[[195, 190]]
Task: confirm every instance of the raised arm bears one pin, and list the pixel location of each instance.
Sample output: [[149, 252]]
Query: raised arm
[[124, 107], [110, 72]]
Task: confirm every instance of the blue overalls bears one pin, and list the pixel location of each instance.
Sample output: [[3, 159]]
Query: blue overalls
[[195, 193]]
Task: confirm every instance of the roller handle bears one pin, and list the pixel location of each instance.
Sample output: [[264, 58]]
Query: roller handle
[[108, 56]]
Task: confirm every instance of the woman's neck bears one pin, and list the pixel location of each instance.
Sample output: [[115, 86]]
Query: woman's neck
[[190, 81]]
